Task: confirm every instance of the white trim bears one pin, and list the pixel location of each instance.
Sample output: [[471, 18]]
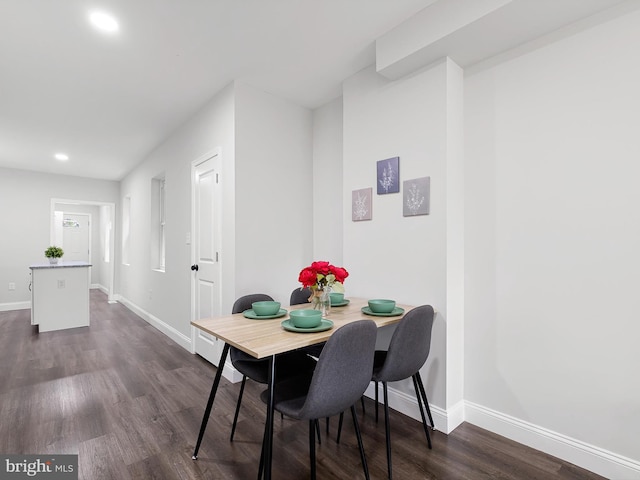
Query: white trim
[[230, 373], [183, 340], [102, 288], [408, 405], [105, 290], [192, 349], [590, 457], [454, 415], [6, 307], [595, 459]]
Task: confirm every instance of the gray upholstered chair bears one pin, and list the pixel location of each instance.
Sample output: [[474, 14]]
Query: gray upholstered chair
[[300, 296], [287, 364], [340, 378], [407, 353]]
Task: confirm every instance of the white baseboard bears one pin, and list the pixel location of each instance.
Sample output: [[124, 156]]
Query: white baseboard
[[590, 457], [230, 373], [181, 339], [102, 288], [407, 404], [114, 299], [5, 307], [184, 341], [595, 459]]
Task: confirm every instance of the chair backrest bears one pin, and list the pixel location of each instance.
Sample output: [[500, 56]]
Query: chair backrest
[[409, 346], [300, 296], [343, 371], [240, 305], [245, 302]]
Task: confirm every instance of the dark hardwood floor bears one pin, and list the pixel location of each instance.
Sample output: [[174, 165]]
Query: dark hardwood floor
[[129, 401]]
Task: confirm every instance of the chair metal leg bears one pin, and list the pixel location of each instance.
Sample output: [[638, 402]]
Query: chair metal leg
[[362, 403], [312, 447], [212, 396], [327, 422], [235, 417], [340, 427], [424, 398], [261, 466], [376, 402], [387, 428], [317, 426], [424, 420], [365, 467]]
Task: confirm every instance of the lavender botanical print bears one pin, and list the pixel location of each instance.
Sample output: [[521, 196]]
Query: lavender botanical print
[[361, 204], [388, 175], [416, 196]]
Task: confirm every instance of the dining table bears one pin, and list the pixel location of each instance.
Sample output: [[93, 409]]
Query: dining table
[[264, 338]]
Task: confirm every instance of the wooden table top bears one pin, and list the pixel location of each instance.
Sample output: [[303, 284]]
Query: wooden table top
[[263, 338]]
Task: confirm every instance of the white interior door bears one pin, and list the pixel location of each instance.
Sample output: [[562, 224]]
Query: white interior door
[[205, 248], [76, 237]]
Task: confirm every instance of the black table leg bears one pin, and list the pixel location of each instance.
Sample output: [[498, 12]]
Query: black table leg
[[269, 425], [212, 395]]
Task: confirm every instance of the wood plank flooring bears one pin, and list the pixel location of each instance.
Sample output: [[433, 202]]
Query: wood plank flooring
[[129, 401]]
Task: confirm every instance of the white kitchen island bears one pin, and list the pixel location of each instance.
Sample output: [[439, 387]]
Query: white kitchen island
[[60, 295]]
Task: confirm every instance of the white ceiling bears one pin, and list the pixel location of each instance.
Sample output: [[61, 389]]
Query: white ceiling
[[108, 100]]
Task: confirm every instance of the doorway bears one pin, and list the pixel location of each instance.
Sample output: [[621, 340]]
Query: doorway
[[206, 291], [103, 241]]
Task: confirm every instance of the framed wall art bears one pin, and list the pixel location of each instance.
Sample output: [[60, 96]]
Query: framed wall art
[[415, 200], [388, 175], [361, 204]]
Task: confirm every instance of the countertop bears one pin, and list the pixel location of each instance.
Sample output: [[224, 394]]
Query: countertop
[[60, 264]]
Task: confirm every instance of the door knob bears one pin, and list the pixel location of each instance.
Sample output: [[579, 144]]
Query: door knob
[[194, 267]]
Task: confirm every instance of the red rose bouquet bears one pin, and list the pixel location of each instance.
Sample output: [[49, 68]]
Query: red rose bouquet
[[319, 275]]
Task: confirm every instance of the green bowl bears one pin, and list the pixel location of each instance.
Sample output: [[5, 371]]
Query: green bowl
[[265, 308], [336, 297], [381, 305], [305, 318]]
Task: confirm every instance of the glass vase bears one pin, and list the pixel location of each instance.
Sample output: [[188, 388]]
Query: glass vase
[[322, 300]]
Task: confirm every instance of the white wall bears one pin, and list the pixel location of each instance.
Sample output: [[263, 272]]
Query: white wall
[[165, 297], [327, 183], [265, 147], [273, 192], [392, 256], [25, 210], [552, 236]]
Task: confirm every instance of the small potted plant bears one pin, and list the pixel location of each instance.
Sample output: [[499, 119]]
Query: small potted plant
[[53, 253]]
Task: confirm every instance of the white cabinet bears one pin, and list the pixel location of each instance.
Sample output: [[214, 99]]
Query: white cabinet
[[60, 295]]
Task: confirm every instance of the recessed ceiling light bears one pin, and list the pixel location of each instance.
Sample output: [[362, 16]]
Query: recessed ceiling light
[[63, 157], [103, 21]]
